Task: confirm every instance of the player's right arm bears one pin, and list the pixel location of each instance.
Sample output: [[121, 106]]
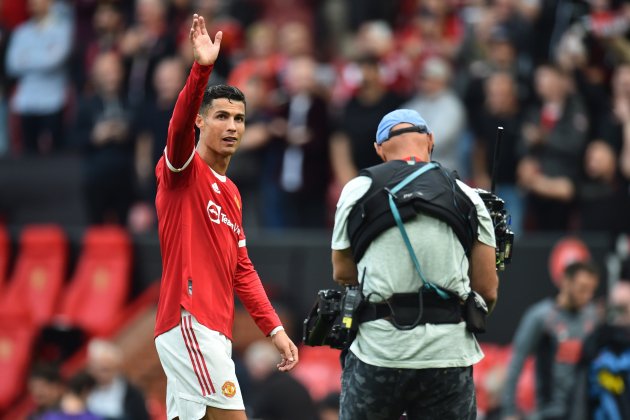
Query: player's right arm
[[180, 144]]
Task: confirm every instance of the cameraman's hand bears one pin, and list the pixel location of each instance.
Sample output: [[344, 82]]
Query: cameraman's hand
[[288, 351]]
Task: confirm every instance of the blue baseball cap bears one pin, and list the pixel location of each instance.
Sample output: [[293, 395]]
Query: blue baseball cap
[[397, 117]]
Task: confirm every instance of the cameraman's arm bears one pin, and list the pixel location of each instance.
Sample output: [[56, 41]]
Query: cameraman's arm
[[344, 268], [483, 274]]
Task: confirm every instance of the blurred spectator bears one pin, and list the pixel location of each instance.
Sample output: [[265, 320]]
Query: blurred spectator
[[328, 407], [152, 121], [298, 163], [37, 56], [586, 50], [603, 197], [275, 395], [113, 397], [491, 49], [602, 389], [500, 109], [377, 38], [361, 11], [359, 119], [554, 138], [443, 111], [104, 132], [45, 387], [5, 86], [246, 169], [621, 112], [554, 330], [108, 26], [72, 405], [434, 28], [143, 45], [261, 60], [510, 16]]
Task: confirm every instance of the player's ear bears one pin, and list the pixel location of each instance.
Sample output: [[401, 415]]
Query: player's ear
[[199, 121]]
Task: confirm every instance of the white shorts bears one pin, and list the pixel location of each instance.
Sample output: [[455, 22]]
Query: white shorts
[[199, 370]]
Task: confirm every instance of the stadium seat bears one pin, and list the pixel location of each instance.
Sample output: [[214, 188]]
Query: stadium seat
[[319, 370], [15, 356], [97, 292], [33, 287]]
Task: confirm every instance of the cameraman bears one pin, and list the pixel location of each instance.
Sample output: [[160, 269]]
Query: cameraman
[[423, 369]]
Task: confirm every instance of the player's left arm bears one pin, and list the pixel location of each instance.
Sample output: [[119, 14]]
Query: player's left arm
[[251, 293]]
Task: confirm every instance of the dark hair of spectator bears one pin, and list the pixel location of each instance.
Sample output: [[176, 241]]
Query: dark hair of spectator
[[46, 371], [572, 269], [231, 93], [81, 383]]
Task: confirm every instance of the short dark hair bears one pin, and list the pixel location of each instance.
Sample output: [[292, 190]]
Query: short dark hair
[[81, 383], [48, 372], [231, 93], [575, 267]]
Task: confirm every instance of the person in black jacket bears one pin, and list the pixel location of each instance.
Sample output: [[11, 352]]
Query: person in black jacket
[[602, 388]]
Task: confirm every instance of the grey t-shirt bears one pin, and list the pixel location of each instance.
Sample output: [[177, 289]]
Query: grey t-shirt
[[389, 269]]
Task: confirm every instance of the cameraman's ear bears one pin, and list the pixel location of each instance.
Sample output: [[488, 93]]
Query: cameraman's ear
[[379, 151]]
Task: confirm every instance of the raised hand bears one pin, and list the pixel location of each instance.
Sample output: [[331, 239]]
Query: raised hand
[[205, 51]]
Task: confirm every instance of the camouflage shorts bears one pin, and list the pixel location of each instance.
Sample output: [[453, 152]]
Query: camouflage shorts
[[378, 393]]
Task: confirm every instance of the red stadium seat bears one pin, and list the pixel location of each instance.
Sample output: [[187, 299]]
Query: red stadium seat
[[98, 290], [37, 278], [319, 370], [15, 356]]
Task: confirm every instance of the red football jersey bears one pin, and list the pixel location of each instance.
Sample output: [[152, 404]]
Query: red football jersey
[[204, 258]]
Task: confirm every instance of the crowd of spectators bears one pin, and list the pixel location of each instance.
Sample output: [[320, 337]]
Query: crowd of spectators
[[99, 78]]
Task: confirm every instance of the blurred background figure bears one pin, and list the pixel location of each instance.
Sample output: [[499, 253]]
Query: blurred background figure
[[358, 119], [298, 168], [500, 109], [104, 134], [108, 28], [602, 388], [444, 113], [328, 407], [37, 57], [151, 126], [554, 330], [113, 397], [73, 401], [45, 387], [143, 45], [554, 136], [275, 395]]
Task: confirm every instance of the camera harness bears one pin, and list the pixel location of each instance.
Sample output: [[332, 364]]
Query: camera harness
[[382, 207]]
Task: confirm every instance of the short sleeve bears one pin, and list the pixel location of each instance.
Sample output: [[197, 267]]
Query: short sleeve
[[351, 193]]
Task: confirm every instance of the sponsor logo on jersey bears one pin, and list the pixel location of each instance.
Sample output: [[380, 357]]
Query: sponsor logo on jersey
[[215, 187], [216, 216], [214, 212], [228, 389]]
